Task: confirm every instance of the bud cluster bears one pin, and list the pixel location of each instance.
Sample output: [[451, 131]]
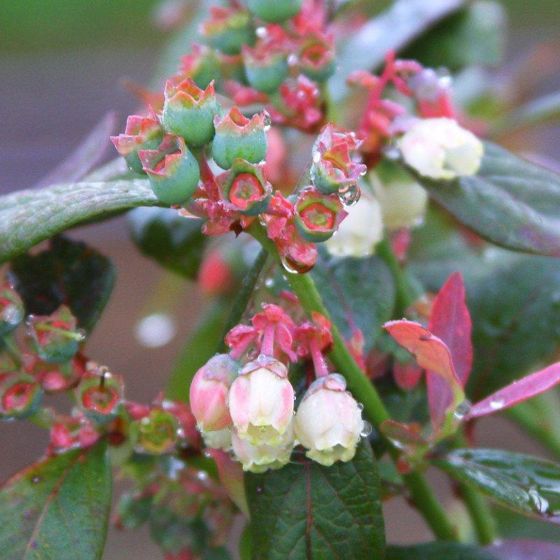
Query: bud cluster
[[246, 404]]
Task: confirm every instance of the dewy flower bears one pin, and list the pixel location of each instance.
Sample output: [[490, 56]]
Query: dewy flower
[[318, 215], [218, 439], [360, 231], [261, 402], [189, 111], [259, 458], [329, 421], [441, 149], [209, 393], [141, 133]]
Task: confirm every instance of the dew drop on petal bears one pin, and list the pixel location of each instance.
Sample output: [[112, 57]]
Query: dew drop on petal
[[350, 194], [202, 475], [539, 502], [292, 60], [366, 430], [261, 32], [288, 267], [360, 406]]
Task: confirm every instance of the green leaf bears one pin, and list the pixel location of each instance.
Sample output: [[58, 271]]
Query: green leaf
[[527, 484], [510, 201], [473, 36], [28, 217], [438, 551], [391, 30], [515, 309], [305, 510], [57, 509], [69, 273], [173, 241], [357, 293], [543, 110]]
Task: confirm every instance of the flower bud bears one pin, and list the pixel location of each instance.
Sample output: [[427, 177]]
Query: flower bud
[[246, 188], [441, 149], [266, 67], [329, 421], [156, 433], [100, 393], [403, 201], [261, 401], [333, 168], [274, 11], [20, 396], [141, 133], [359, 232], [12, 310], [209, 392], [202, 65], [317, 58], [228, 30], [238, 137], [172, 169], [318, 216], [259, 458], [189, 111], [55, 337]]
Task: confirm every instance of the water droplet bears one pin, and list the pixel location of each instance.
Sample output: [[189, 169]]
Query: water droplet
[[261, 32], [350, 194], [259, 489], [392, 153], [202, 475], [540, 503], [11, 315], [497, 404], [366, 430], [462, 410], [36, 479], [293, 60], [288, 266], [207, 454], [316, 157], [360, 406], [269, 282], [80, 335], [267, 121]]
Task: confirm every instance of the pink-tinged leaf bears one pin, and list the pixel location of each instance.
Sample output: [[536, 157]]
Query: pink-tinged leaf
[[430, 352], [231, 477], [408, 435], [407, 375], [85, 157], [450, 320], [525, 550], [519, 391]]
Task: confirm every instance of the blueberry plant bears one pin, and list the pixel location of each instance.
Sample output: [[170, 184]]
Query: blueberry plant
[[382, 275]]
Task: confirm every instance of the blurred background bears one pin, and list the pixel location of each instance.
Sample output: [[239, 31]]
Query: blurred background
[[62, 67]]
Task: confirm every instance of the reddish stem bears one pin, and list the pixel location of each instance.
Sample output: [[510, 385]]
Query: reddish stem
[[267, 344], [319, 362]]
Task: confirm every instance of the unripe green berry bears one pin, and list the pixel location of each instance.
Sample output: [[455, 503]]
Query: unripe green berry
[[172, 169], [238, 137], [274, 11]]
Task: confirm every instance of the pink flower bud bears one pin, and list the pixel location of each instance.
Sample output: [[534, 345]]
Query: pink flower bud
[[260, 458], [261, 402], [329, 421], [209, 393]]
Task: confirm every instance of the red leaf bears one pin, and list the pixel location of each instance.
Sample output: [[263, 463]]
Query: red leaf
[[430, 352], [407, 375], [517, 392], [450, 320]]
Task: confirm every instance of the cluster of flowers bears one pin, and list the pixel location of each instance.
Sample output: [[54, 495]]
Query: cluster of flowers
[[162, 146], [46, 359], [277, 54], [247, 405]]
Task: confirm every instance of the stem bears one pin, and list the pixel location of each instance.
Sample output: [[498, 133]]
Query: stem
[[480, 514], [267, 345], [319, 363], [309, 298]]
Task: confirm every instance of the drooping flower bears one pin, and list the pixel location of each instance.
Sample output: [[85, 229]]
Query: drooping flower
[[329, 421], [441, 149], [261, 402]]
